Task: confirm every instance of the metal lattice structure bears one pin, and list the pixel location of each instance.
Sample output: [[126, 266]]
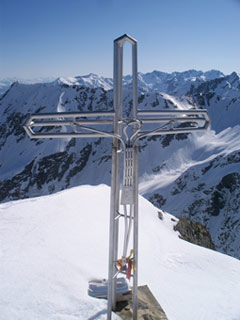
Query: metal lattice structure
[[125, 134]]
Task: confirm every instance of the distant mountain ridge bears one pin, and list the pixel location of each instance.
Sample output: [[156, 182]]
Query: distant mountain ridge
[[5, 83], [149, 81], [195, 175], [152, 81]]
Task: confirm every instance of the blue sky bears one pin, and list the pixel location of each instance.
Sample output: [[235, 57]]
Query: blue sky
[[42, 38]]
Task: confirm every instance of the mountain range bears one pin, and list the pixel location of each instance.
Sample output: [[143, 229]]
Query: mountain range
[[156, 80], [191, 175]]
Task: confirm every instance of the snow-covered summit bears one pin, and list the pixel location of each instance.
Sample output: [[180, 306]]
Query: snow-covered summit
[[176, 82], [52, 246], [91, 80]]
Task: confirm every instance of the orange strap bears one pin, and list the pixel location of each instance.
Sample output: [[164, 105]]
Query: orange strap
[[128, 266], [129, 270]]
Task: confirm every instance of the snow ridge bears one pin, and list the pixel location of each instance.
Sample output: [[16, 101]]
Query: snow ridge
[[49, 253]]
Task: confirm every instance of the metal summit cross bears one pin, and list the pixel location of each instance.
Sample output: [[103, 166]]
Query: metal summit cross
[[125, 134]]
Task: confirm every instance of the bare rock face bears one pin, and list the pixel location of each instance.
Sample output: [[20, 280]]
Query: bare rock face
[[195, 233], [148, 307]]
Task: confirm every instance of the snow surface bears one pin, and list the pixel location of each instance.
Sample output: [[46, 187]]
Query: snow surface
[[51, 246], [200, 149]]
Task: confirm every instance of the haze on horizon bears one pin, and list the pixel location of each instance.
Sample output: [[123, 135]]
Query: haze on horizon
[[58, 38]]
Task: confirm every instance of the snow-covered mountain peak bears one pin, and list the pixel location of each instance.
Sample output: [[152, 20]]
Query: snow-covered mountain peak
[[213, 74], [234, 80], [176, 83], [66, 80], [90, 80]]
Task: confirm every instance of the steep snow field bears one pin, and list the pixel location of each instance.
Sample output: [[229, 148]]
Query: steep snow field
[[51, 246]]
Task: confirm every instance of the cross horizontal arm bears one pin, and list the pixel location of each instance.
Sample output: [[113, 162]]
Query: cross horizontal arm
[[57, 115], [53, 123], [34, 135], [71, 122], [182, 119], [173, 122], [193, 112], [169, 131]]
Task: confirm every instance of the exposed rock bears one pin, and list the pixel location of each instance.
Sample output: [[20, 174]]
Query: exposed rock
[[148, 307], [157, 199], [160, 215], [222, 192], [195, 233]]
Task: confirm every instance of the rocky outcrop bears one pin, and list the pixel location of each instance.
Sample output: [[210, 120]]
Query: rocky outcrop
[[148, 307], [195, 233]]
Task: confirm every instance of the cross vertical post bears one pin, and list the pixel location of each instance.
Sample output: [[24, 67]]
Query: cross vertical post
[[135, 180], [116, 170], [115, 178]]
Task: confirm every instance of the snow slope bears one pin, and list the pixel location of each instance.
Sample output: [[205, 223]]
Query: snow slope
[[53, 245]]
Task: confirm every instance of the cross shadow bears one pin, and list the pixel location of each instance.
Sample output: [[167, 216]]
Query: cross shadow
[[100, 313]]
